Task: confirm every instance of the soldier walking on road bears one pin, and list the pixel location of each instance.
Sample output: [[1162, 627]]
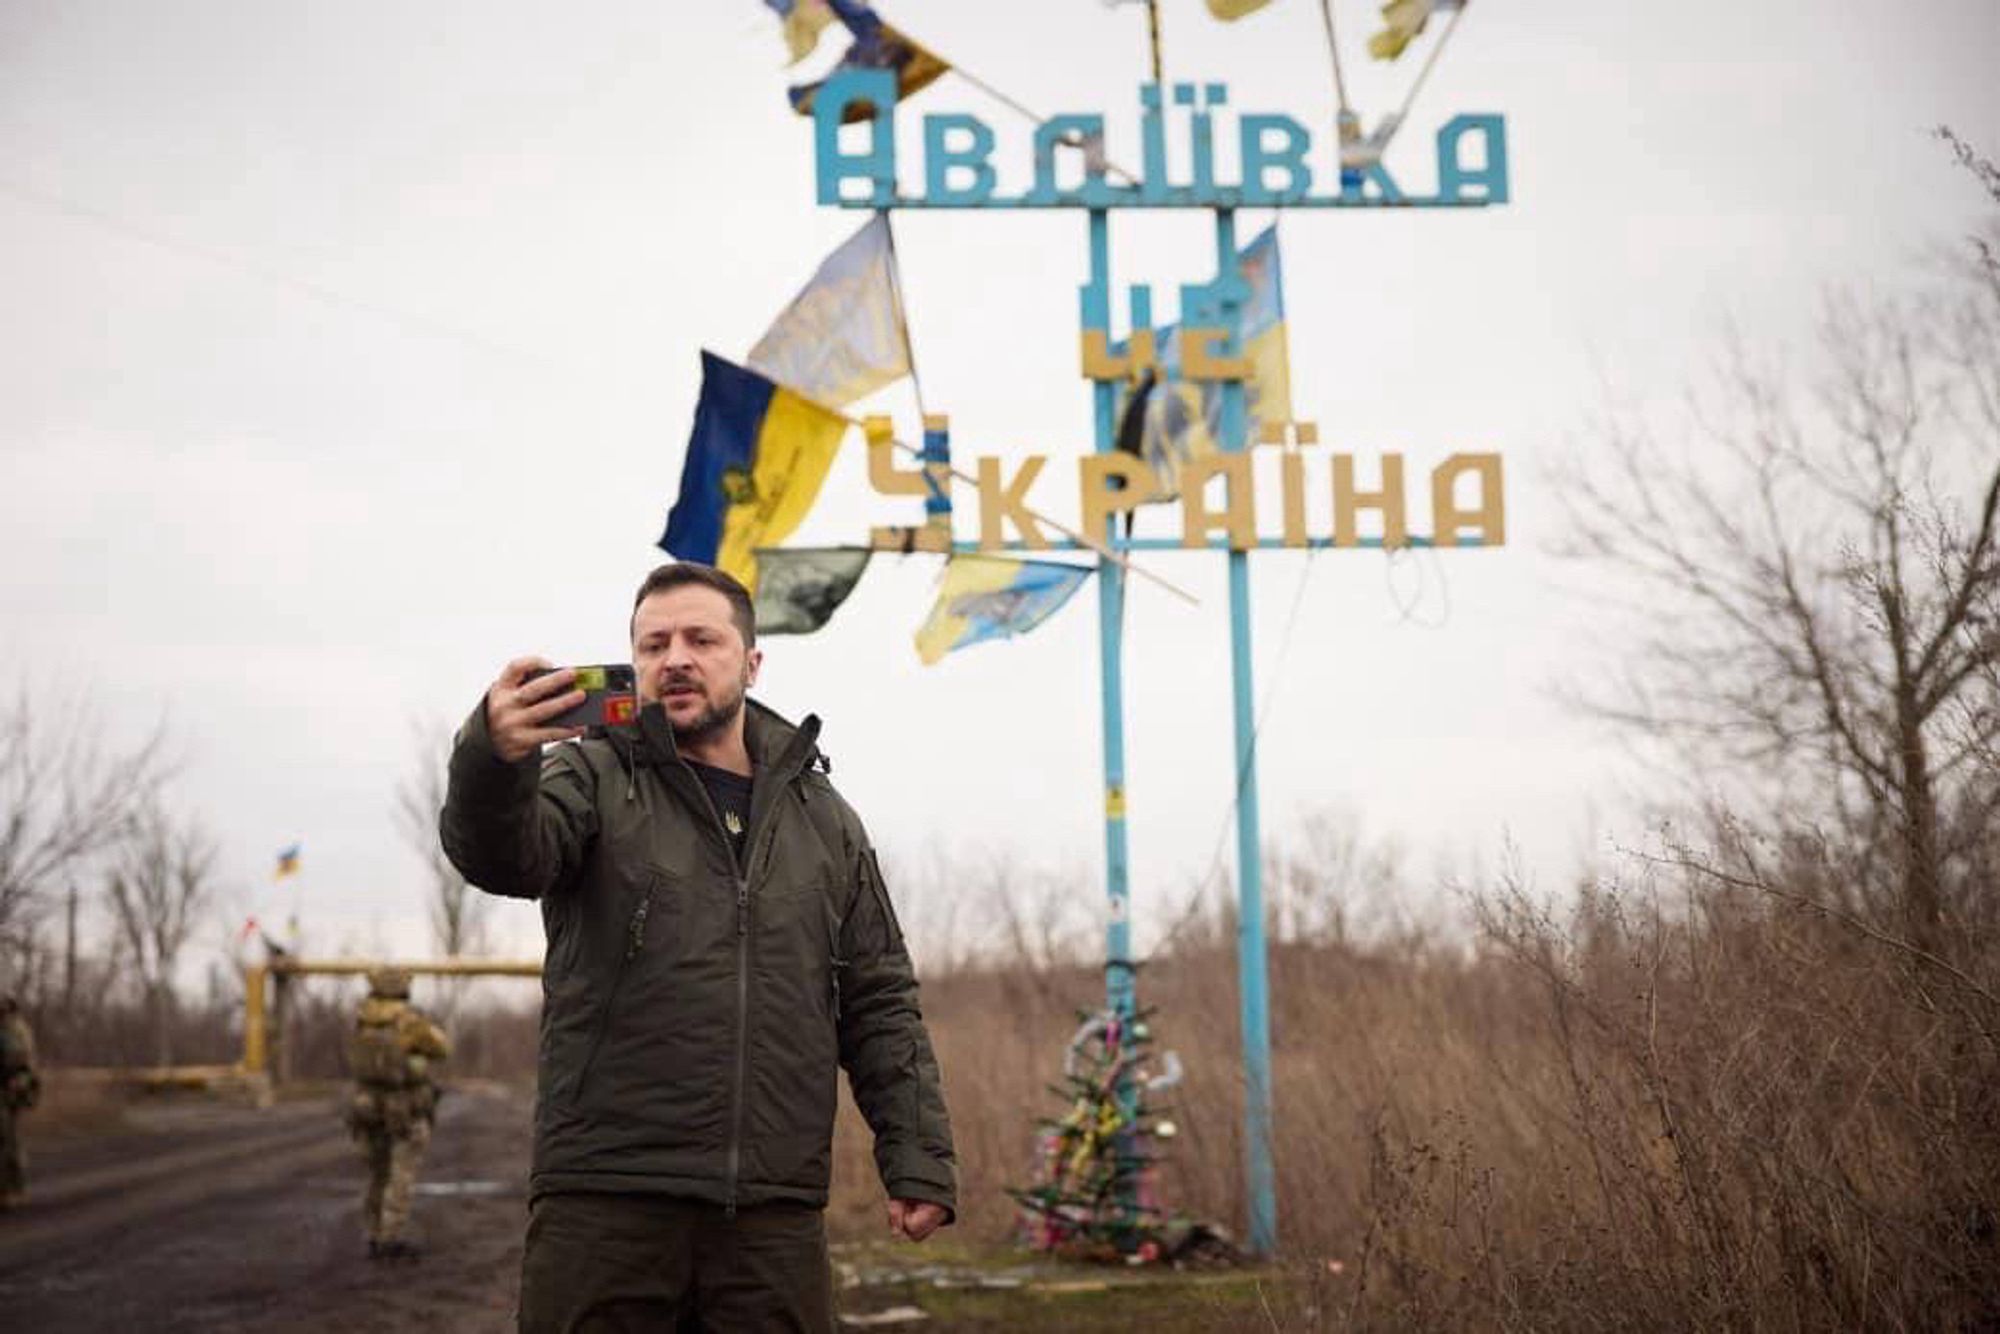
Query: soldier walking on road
[[392, 1055], [19, 1086]]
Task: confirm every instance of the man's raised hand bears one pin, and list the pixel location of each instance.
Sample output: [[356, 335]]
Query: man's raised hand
[[518, 708]]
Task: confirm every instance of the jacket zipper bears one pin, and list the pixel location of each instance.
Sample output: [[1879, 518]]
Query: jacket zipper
[[742, 1039], [733, 1159], [635, 940]]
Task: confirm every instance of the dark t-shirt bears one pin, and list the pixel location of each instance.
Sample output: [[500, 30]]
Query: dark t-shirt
[[731, 795]]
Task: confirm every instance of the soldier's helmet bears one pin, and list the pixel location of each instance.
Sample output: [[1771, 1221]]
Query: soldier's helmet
[[389, 983]]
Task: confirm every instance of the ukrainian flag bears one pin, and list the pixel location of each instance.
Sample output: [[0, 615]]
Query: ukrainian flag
[[876, 46], [288, 862], [1262, 331], [1182, 420], [755, 463], [990, 597]]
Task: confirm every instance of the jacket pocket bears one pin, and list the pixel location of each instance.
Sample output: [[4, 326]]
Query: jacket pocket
[[892, 930], [635, 942]]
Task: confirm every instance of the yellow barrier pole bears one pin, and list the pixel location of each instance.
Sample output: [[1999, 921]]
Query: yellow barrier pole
[[436, 968], [254, 1048]]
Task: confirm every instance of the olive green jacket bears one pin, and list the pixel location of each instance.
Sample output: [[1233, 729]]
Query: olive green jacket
[[695, 1012]]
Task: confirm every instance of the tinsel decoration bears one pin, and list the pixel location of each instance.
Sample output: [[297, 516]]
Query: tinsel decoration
[[1096, 1192]]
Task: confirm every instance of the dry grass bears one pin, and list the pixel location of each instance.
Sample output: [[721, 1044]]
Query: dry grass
[[1742, 1113], [1699, 1101]]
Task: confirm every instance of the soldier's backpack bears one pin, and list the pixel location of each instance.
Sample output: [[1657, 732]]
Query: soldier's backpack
[[376, 1055]]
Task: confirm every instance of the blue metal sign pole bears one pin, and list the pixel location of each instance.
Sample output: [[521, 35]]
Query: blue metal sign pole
[[1118, 980], [1251, 953]]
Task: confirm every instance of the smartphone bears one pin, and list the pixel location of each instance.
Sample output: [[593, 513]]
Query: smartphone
[[611, 697]]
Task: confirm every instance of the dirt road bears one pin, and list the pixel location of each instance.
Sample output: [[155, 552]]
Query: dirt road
[[186, 1215], [201, 1217]]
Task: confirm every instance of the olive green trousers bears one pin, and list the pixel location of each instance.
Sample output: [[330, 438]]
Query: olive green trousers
[[625, 1263]]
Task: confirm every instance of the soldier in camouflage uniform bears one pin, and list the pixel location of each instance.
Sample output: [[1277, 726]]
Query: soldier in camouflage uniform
[[19, 1086], [392, 1055]]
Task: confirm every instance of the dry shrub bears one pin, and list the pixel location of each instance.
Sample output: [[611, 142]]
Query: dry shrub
[[1700, 1100]]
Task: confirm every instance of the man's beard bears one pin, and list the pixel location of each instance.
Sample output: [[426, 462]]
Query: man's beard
[[711, 722]]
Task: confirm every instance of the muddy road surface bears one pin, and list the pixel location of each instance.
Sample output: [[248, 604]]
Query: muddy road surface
[[193, 1216], [182, 1215]]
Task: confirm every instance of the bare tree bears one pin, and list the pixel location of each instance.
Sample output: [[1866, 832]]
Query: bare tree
[[1339, 875], [161, 884], [1823, 610], [65, 795], [457, 911]]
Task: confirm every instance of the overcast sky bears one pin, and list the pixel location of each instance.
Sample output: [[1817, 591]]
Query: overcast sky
[[347, 351]]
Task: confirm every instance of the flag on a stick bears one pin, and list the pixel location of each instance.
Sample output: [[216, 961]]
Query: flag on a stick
[[754, 466], [799, 588], [842, 337], [1175, 421], [992, 597], [876, 46]]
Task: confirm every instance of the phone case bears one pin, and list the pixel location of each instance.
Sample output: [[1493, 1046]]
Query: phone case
[[610, 698]]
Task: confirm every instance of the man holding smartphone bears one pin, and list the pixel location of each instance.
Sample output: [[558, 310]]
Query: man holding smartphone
[[720, 944]]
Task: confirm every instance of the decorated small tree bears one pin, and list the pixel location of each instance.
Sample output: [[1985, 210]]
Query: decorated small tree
[[1096, 1190]]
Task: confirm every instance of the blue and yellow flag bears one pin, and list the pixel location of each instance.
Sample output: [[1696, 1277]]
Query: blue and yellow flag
[[991, 597], [876, 46], [755, 463], [842, 337], [803, 21], [1181, 420], [288, 862]]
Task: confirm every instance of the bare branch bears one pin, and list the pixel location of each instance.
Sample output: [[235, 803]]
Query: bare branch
[[161, 886], [456, 910], [1813, 607], [65, 796]]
